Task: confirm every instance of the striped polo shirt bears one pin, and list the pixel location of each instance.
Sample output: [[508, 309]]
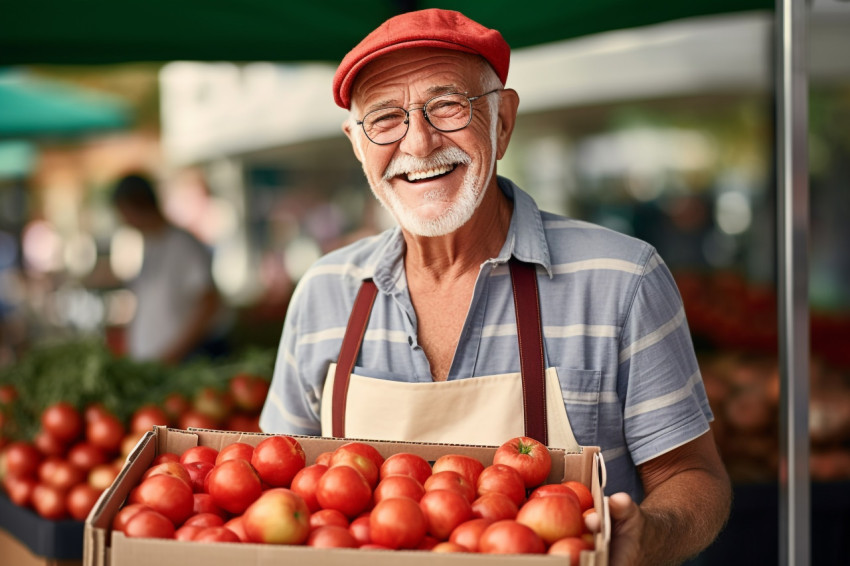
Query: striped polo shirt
[[613, 324]]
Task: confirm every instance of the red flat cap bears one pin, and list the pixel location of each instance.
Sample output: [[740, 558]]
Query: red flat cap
[[424, 28]]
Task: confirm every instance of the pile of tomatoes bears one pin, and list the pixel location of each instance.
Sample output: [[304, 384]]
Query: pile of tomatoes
[[77, 452], [353, 497]]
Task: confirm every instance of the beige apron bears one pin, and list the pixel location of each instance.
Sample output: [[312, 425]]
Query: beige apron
[[485, 410]]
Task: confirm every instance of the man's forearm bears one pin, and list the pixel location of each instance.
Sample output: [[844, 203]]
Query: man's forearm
[[683, 516]]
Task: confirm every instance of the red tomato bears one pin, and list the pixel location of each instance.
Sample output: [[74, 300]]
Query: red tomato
[[168, 495], [213, 403], [241, 422], [324, 517], [199, 454], [119, 523], [19, 488], [397, 522], [453, 481], [324, 458], [49, 502], [106, 432], [361, 463], [504, 479], [447, 546], [49, 445], [398, 486], [60, 473], [174, 469], [21, 459], [149, 524], [444, 511], [146, 417], [216, 534], [187, 532], [86, 456], [165, 457], [175, 405], [235, 525], [8, 393], [553, 489], [527, 456], [203, 503], [80, 500], [572, 547], [248, 391], [585, 497], [360, 530], [62, 421], [552, 518], [510, 537], [331, 536], [233, 451], [407, 464], [198, 472], [468, 533], [278, 516], [363, 449], [494, 506], [467, 466], [205, 520], [305, 483], [102, 476], [234, 485], [345, 489], [194, 419], [277, 459]]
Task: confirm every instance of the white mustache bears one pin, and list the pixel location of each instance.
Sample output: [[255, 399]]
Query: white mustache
[[404, 164]]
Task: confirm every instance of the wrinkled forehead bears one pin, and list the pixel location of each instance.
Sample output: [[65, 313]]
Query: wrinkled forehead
[[423, 71]]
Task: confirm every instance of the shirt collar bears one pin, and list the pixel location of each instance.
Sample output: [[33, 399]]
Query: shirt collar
[[526, 240]]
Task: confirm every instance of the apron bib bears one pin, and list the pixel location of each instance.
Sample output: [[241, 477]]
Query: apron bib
[[485, 410]]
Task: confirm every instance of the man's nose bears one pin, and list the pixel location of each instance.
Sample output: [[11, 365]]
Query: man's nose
[[422, 138]]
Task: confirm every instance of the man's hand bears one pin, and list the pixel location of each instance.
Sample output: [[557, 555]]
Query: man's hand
[[627, 527]]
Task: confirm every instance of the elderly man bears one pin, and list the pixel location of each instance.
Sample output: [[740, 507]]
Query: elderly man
[[480, 317]]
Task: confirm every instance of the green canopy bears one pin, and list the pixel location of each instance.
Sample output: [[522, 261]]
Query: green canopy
[[36, 107], [105, 31]]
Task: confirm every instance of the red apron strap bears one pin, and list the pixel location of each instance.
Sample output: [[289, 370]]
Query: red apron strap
[[354, 333], [530, 338]]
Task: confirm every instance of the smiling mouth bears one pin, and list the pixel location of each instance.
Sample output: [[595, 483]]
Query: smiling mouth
[[434, 173]]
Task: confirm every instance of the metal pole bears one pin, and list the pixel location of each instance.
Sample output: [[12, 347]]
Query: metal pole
[[793, 230]]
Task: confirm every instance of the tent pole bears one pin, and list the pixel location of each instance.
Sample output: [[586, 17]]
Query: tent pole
[[793, 271]]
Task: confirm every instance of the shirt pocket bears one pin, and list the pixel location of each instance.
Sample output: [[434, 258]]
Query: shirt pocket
[[580, 389]]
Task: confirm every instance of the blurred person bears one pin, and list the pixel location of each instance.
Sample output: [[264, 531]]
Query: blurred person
[[179, 312], [422, 332]]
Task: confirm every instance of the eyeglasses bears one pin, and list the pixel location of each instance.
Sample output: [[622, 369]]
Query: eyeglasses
[[446, 113]]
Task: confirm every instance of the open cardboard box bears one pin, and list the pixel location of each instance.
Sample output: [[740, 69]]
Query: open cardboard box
[[102, 547]]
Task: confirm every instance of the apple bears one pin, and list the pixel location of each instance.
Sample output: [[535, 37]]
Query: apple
[[527, 456], [363, 449], [500, 478], [510, 537], [331, 536], [407, 464], [552, 518], [398, 522], [444, 511], [467, 466], [278, 516], [277, 459]]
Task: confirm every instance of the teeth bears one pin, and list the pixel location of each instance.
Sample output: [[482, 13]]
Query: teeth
[[417, 175]]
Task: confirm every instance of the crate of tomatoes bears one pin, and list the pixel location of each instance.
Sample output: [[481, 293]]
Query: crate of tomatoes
[[221, 498]]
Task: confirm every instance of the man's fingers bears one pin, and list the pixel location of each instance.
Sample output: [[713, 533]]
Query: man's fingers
[[621, 506]]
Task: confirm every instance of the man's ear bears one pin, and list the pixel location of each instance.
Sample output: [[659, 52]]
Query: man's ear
[[350, 131], [508, 105]]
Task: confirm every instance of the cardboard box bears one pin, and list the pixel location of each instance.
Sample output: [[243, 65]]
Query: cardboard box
[[27, 539], [104, 548]]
